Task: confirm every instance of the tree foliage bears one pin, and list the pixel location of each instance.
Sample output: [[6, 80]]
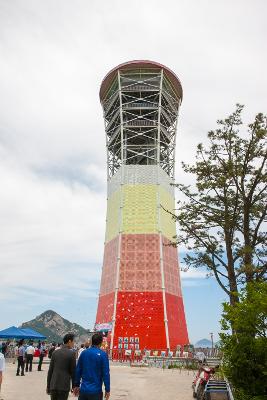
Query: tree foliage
[[222, 220], [245, 351]]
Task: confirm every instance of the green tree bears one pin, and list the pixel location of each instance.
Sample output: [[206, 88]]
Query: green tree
[[245, 351], [221, 219]]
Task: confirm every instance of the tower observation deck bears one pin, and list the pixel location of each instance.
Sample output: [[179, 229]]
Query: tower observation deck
[[140, 293]]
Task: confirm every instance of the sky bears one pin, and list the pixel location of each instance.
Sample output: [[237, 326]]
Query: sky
[[53, 57]]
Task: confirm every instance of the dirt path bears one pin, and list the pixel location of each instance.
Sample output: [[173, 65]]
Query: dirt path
[[126, 384]]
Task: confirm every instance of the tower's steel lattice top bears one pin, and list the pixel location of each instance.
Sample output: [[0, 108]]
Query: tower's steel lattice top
[[141, 100]]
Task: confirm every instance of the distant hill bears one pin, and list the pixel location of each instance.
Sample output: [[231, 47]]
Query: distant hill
[[54, 327], [204, 343]]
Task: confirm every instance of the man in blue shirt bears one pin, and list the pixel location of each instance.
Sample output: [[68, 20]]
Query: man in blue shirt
[[92, 371]]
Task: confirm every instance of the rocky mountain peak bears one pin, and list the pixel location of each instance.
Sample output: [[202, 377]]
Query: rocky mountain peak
[[54, 327]]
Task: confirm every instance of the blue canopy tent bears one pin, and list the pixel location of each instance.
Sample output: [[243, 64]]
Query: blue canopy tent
[[32, 334], [12, 333], [20, 333]]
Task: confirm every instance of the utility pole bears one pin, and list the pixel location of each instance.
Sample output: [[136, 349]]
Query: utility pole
[[211, 337]]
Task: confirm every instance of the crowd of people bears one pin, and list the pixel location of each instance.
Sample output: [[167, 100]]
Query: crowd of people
[[25, 353], [82, 371]]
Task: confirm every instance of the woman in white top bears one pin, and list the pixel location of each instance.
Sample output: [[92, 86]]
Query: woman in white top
[[2, 368], [80, 351]]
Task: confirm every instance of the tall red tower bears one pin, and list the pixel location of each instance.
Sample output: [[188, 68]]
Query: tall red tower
[[140, 294]]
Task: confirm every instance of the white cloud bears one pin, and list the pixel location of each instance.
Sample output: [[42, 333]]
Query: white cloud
[[49, 230], [194, 283], [195, 278], [193, 274]]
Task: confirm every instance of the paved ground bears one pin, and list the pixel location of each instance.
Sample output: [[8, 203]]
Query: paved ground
[[126, 384]]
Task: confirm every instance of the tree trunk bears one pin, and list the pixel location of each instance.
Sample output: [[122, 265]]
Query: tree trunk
[[247, 256], [231, 268]]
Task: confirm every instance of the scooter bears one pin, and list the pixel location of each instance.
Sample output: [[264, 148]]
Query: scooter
[[203, 375]]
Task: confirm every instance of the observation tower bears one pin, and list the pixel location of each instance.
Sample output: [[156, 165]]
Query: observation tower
[[140, 295]]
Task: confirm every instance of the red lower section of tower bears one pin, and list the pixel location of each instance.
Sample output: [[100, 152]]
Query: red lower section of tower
[[140, 315], [105, 308], [139, 309], [176, 321]]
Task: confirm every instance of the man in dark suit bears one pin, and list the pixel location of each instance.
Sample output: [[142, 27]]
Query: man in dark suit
[[62, 370]]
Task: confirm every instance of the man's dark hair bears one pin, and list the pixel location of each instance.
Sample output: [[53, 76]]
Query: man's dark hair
[[97, 339], [67, 337]]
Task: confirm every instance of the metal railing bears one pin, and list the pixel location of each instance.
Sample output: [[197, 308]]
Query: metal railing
[[140, 105], [140, 88], [140, 122]]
